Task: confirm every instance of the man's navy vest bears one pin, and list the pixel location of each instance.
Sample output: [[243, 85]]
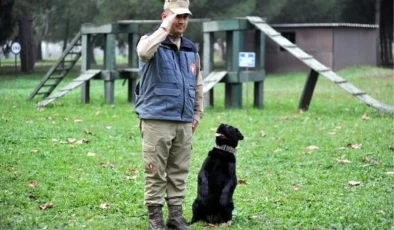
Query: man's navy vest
[[166, 89]]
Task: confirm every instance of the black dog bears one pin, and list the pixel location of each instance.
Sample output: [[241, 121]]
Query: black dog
[[217, 179]]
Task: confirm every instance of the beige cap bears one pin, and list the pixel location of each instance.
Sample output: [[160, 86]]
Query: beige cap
[[177, 6]]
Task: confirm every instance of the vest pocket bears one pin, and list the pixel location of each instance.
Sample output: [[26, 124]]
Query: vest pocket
[[167, 102], [189, 108]]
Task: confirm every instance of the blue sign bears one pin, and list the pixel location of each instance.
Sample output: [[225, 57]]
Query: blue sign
[[247, 59]]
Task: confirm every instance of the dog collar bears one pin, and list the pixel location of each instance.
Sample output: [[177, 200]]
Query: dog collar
[[226, 148]]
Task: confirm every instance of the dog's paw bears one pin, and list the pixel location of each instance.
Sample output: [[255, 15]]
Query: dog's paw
[[223, 201]]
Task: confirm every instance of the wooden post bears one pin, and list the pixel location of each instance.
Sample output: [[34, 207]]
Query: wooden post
[[133, 63], [109, 65], [85, 65], [233, 91], [207, 65], [260, 66], [308, 90]]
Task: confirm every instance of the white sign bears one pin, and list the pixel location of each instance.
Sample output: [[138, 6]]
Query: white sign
[[247, 59], [16, 48]]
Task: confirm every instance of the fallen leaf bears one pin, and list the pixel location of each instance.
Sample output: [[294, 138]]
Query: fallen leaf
[[115, 116], [11, 169], [108, 127], [29, 122], [333, 133], [90, 154], [382, 212], [76, 120], [87, 132], [210, 226], [344, 161], [277, 150], [65, 119], [354, 183], [283, 118], [132, 171], [312, 147], [50, 118], [390, 173], [46, 206], [241, 181], [269, 175], [131, 177], [82, 141], [32, 184], [354, 146], [105, 206], [296, 187], [365, 117], [71, 140], [32, 197], [54, 140], [370, 161], [34, 151], [365, 159], [98, 113], [107, 165], [262, 134], [227, 224]]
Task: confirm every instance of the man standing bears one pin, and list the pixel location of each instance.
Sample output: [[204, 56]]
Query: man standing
[[169, 99]]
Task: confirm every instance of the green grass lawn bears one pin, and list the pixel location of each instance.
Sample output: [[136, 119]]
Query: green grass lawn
[[76, 166]]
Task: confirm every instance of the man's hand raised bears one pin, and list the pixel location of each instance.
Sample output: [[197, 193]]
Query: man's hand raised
[[167, 21]]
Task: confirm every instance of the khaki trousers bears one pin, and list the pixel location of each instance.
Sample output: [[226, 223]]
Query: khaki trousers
[[166, 149]]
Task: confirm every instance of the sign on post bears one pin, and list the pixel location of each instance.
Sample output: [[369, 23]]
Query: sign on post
[[16, 49], [247, 59]]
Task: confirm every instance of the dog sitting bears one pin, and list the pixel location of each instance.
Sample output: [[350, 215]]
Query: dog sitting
[[217, 179]]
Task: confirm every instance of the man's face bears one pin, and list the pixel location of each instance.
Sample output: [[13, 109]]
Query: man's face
[[179, 24]]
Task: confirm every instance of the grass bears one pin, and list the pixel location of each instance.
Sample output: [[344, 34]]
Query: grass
[[98, 184]]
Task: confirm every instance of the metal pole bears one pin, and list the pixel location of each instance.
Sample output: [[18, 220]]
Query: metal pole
[[247, 90], [16, 62]]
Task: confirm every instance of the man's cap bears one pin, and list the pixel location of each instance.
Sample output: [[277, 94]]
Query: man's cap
[[177, 6]]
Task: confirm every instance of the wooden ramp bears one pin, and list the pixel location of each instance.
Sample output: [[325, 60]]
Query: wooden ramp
[[87, 75], [317, 66], [213, 78], [60, 69]]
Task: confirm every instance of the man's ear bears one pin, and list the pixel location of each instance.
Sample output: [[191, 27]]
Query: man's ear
[[163, 15]]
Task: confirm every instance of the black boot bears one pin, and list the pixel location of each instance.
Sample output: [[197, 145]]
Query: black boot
[[155, 214], [175, 219]]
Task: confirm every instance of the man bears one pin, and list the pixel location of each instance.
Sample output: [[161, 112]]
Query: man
[[169, 99]]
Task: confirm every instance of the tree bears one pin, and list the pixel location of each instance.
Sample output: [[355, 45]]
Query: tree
[[24, 13], [374, 12], [301, 11], [6, 20]]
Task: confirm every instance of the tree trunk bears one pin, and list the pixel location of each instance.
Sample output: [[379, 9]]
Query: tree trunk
[[91, 55], [377, 22], [386, 32], [39, 51], [65, 38], [26, 37]]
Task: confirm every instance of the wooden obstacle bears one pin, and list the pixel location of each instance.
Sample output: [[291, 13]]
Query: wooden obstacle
[[316, 69]]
